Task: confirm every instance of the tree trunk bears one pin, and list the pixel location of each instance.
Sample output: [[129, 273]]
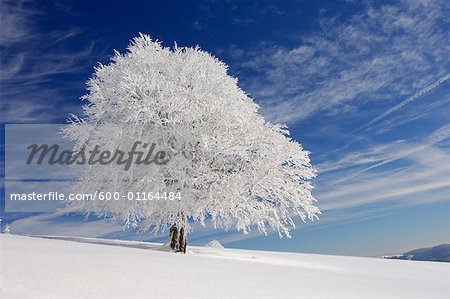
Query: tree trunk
[[178, 239]]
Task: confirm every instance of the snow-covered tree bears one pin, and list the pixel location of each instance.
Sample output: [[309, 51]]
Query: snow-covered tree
[[230, 166], [7, 229], [214, 244]]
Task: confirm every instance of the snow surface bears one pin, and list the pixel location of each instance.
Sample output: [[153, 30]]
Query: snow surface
[[60, 267]]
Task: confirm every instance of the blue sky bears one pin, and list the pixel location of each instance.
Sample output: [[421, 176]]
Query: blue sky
[[363, 85]]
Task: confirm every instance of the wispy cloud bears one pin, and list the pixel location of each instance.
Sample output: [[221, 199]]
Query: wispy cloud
[[405, 102], [435, 107], [14, 21], [378, 55], [32, 59], [420, 174], [382, 154]]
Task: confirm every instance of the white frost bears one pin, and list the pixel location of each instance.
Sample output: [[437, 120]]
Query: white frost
[[229, 164]]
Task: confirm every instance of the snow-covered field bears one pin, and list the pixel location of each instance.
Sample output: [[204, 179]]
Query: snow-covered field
[[93, 268]]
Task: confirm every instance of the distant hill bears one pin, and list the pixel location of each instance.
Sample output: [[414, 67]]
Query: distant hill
[[439, 253]]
